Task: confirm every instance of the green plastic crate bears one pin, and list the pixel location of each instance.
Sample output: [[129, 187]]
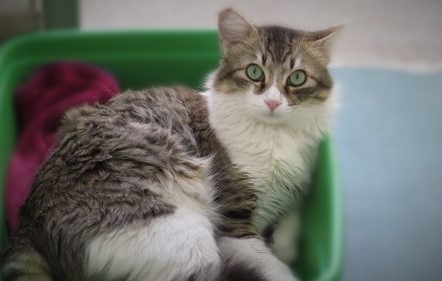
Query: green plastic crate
[[145, 58]]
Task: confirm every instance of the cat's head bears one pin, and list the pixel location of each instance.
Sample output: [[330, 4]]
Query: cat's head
[[273, 74]]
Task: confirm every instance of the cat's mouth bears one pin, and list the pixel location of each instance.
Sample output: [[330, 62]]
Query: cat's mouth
[[270, 117], [272, 114], [263, 114]]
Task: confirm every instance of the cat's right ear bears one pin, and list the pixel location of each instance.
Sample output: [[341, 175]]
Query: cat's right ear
[[322, 41], [233, 28]]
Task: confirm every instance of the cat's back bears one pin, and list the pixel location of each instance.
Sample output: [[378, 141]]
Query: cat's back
[[165, 107], [125, 144], [116, 166]]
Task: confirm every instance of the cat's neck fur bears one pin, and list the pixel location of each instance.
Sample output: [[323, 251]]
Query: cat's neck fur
[[278, 159]]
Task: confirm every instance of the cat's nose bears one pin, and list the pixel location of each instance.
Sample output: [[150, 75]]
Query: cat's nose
[[272, 104]]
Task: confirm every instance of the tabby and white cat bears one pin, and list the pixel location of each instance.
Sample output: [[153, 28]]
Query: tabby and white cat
[[172, 184]]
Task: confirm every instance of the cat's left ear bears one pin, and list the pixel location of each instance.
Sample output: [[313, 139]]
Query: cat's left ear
[[324, 39], [234, 28]]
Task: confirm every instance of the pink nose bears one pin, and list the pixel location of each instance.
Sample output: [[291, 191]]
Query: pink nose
[[272, 104]]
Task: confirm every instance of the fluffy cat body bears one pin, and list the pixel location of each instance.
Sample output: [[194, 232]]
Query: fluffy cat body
[[169, 184], [275, 157]]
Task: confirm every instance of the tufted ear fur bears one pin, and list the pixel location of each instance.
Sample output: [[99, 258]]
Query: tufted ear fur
[[322, 40], [234, 28]]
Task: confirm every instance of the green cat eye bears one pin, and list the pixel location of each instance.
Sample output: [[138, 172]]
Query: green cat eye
[[254, 72], [297, 78]]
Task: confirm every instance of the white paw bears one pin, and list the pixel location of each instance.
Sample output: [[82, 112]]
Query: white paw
[[284, 240], [283, 275]]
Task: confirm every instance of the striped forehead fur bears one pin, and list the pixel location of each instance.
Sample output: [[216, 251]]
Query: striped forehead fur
[[279, 51]]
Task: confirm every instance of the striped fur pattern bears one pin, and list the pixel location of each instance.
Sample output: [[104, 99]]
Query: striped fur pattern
[[171, 184]]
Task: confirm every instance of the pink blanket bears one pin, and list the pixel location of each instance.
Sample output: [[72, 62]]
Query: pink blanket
[[41, 103]]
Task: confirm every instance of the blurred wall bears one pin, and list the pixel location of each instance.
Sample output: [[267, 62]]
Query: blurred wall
[[394, 32], [17, 17]]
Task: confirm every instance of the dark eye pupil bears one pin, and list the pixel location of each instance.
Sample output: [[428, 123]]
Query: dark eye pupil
[[254, 72], [297, 78]]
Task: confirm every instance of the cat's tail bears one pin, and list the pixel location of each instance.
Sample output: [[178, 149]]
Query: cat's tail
[[21, 262]]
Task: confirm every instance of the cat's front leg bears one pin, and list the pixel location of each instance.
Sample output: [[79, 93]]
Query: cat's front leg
[[250, 259], [282, 237]]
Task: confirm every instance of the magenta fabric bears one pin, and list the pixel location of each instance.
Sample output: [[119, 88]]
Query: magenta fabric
[[41, 103]]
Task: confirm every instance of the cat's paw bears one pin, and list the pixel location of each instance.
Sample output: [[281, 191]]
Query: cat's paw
[[284, 247], [284, 240], [288, 276]]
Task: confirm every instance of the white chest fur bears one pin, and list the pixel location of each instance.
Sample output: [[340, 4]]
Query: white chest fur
[[278, 159], [277, 162]]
